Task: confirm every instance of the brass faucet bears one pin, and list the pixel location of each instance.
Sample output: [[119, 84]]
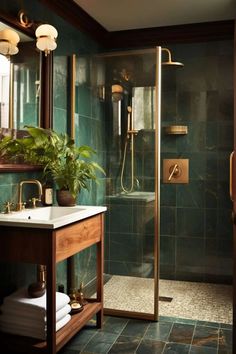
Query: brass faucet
[[20, 187]]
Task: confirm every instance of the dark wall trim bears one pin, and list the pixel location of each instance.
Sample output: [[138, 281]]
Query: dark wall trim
[[76, 16], [9, 168], [148, 37]]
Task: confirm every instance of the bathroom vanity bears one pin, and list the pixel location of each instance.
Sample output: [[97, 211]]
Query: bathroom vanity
[[48, 237]]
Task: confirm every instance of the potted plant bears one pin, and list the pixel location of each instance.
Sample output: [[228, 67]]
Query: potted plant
[[68, 165]]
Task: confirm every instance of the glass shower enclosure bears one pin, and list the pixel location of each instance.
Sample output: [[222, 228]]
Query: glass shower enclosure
[[131, 96]]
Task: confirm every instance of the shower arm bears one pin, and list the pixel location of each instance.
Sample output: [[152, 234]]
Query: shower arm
[[169, 54]]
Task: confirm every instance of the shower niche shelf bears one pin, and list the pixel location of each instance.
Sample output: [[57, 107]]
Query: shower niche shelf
[[176, 130]]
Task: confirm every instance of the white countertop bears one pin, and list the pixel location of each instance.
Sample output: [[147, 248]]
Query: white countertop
[[51, 217]]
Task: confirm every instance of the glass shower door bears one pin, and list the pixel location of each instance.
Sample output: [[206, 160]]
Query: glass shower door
[[132, 123]]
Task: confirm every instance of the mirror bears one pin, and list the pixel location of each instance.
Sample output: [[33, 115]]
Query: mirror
[[20, 85], [28, 104]]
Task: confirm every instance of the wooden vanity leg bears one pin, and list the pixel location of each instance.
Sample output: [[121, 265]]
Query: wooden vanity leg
[[51, 299], [100, 270]]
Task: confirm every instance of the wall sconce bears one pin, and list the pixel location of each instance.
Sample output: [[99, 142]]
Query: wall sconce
[[117, 92], [8, 42], [46, 38]]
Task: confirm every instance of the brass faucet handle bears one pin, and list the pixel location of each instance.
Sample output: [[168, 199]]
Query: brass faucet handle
[[8, 206], [34, 202]]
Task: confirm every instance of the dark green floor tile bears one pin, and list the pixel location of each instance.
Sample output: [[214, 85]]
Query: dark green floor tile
[[208, 324], [114, 325], [181, 333], [68, 351], [225, 340], [158, 331], [176, 348], [81, 339], [202, 350], [150, 347], [206, 336], [101, 342], [167, 319], [125, 344], [135, 328], [226, 326], [185, 320]]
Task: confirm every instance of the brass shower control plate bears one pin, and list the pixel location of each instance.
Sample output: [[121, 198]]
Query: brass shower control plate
[[175, 171]]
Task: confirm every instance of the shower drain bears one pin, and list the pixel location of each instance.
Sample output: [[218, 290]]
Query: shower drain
[[165, 298]]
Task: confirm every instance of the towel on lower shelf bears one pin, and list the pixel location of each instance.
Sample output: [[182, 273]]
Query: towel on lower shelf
[[13, 314], [26, 316], [21, 300], [39, 333]]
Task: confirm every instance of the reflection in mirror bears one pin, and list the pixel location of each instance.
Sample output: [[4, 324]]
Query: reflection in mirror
[[4, 91], [20, 85], [143, 106]]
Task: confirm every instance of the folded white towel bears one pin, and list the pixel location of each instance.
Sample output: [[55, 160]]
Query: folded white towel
[[29, 331], [24, 303], [14, 315]]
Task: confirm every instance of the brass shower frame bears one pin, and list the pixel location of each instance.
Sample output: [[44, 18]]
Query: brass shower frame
[[157, 51]]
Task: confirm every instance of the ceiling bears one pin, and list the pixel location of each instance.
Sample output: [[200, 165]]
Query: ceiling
[[133, 14]]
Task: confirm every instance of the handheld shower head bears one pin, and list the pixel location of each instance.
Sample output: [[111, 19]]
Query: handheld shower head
[[169, 62]]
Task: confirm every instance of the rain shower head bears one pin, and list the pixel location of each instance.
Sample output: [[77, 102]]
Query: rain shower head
[[169, 62]]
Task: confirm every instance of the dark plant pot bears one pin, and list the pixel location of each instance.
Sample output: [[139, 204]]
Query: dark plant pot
[[64, 198]]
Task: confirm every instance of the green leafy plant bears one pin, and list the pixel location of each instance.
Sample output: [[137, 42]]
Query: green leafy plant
[[67, 164]]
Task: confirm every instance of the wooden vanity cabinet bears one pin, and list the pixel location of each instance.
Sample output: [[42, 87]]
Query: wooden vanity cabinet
[[48, 247]]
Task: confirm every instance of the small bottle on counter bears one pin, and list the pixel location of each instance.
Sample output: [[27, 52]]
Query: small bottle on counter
[[47, 197]]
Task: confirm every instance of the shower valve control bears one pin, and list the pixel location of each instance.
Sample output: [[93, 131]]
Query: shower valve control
[[175, 171]]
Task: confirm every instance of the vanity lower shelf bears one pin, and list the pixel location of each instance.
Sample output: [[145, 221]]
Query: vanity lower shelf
[[10, 342]]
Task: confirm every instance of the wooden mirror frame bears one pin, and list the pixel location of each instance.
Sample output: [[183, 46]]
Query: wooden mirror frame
[[46, 84]]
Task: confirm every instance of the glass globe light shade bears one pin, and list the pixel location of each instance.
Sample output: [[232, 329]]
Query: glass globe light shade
[[46, 35], [8, 42], [117, 92]]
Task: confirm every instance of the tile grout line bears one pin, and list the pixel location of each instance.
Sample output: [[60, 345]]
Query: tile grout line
[[142, 338], [118, 335], [190, 347]]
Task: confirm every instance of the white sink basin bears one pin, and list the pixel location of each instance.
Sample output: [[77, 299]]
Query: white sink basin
[[49, 217]]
